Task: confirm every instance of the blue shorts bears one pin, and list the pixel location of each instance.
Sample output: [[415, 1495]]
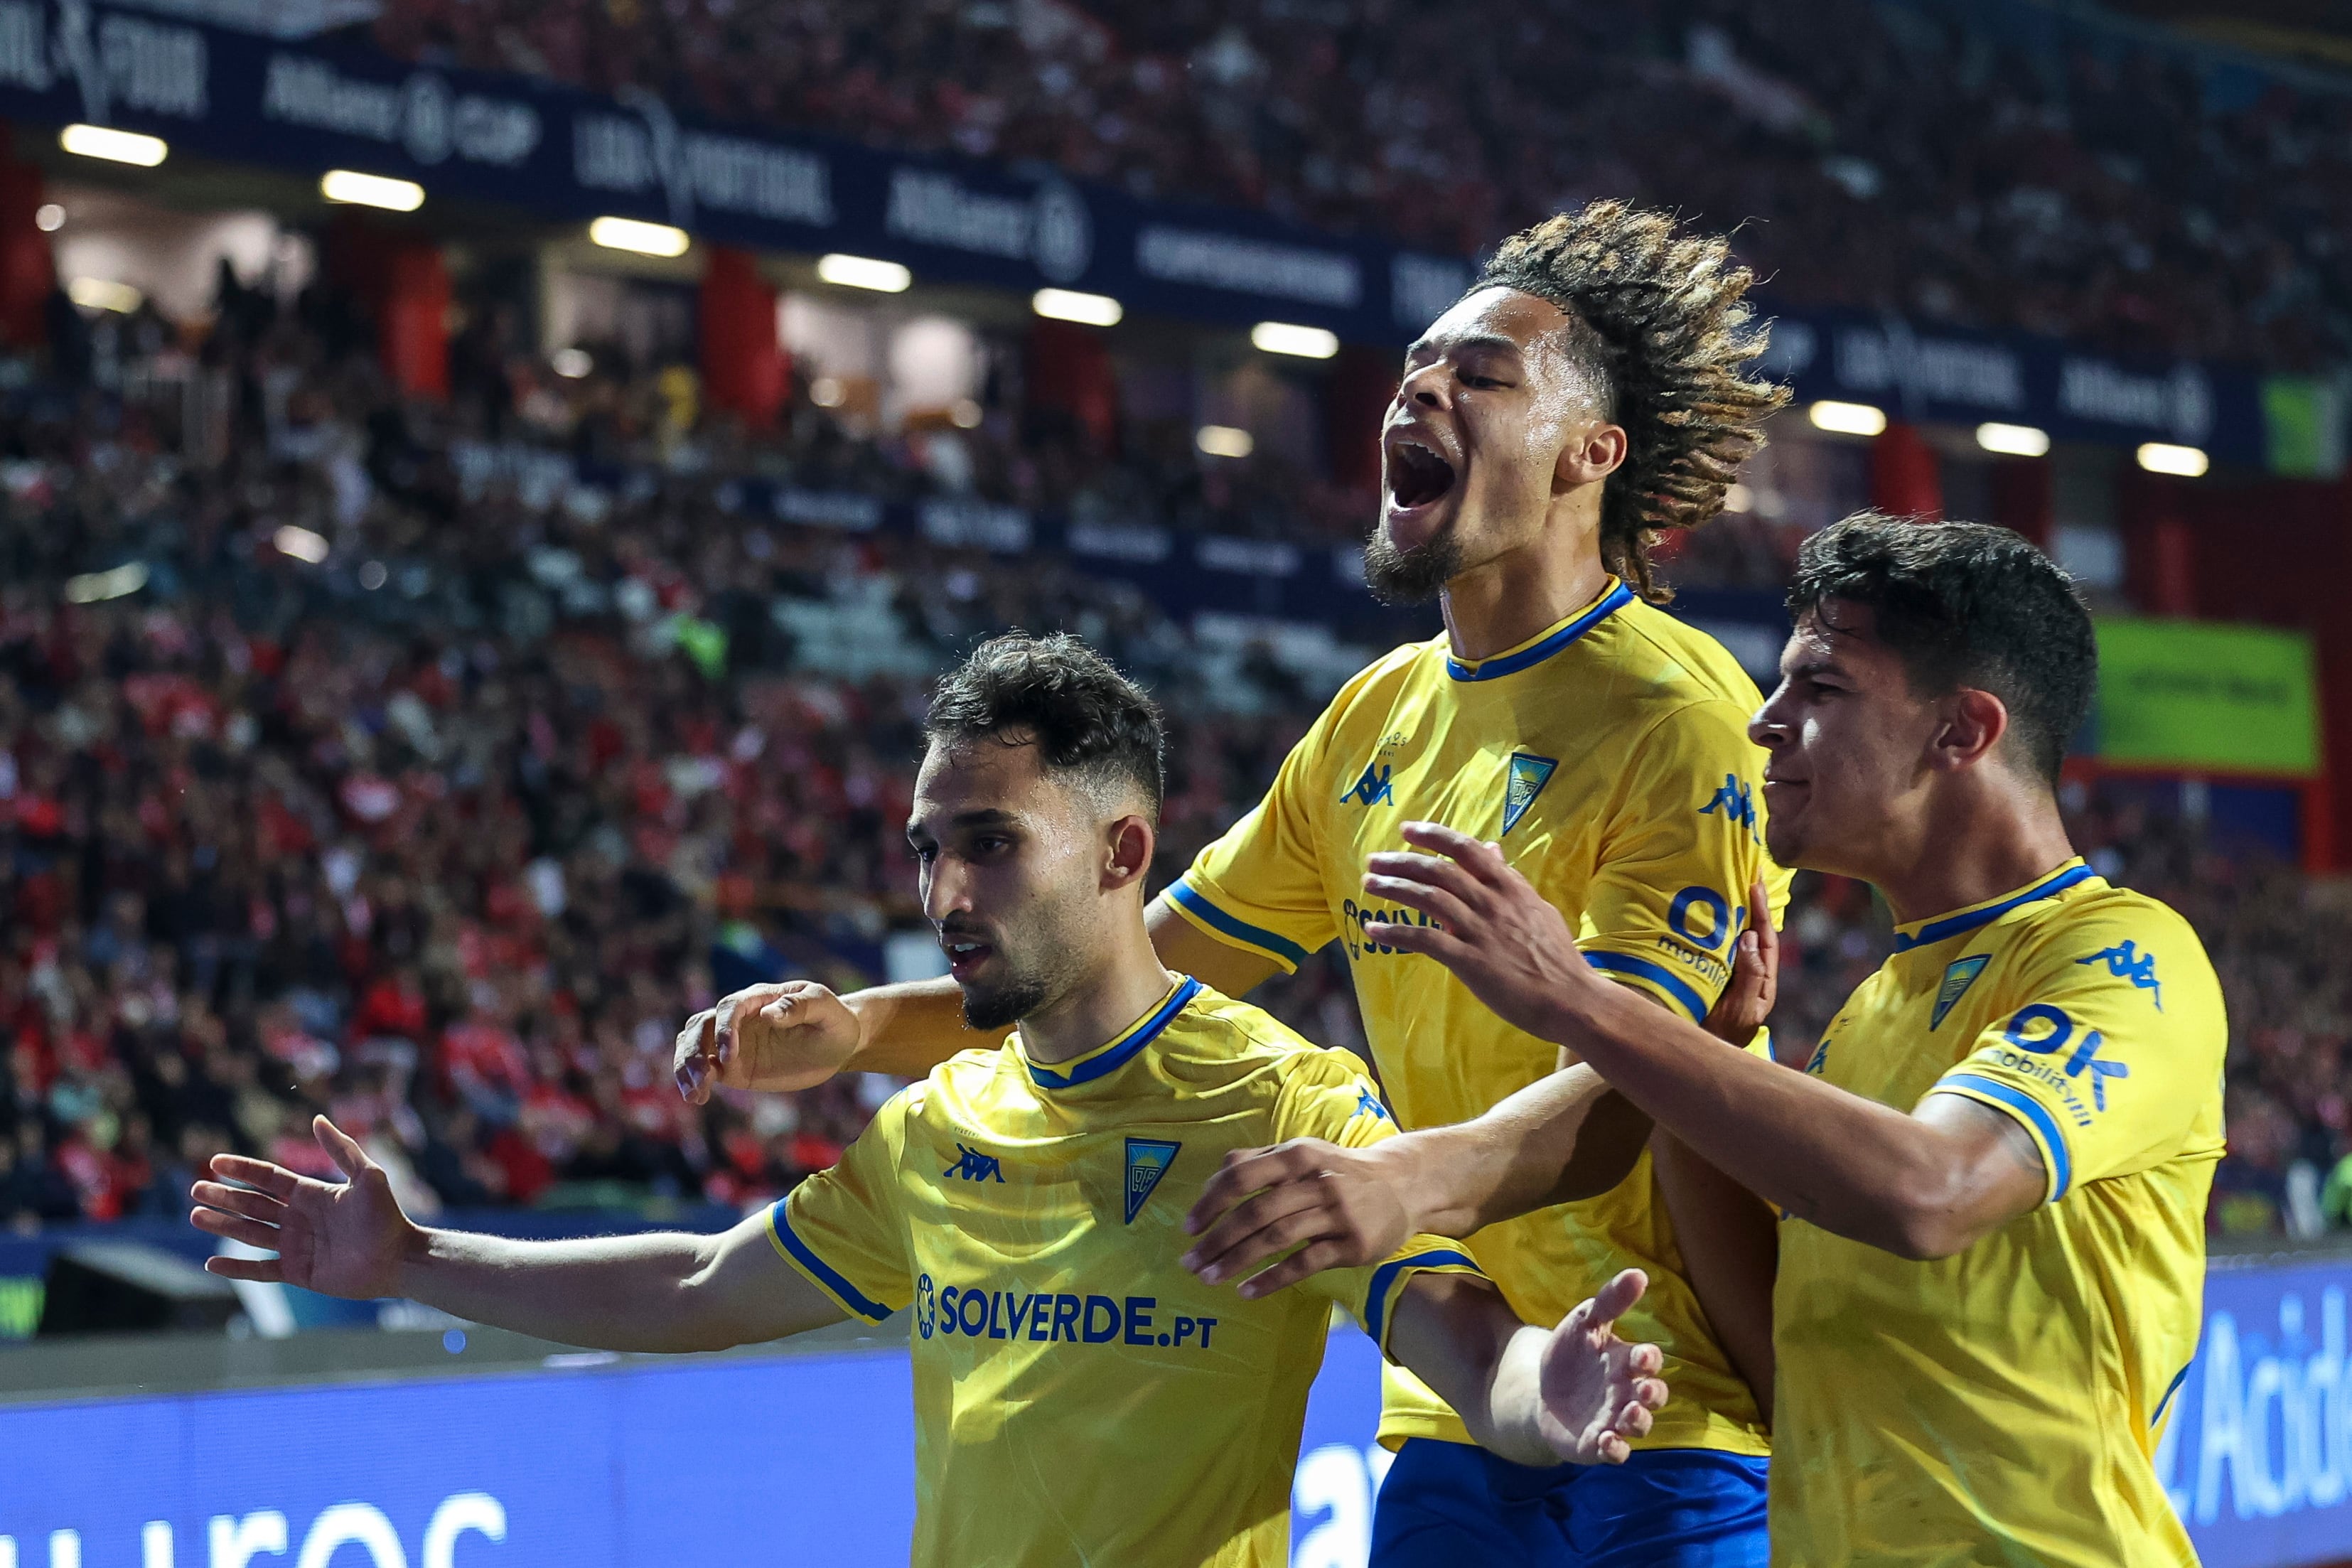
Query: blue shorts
[[1447, 1504]]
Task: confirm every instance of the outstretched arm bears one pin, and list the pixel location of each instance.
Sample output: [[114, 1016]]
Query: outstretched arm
[[796, 1034], [664, 1292], [1925, 1183], [1536, 1396]]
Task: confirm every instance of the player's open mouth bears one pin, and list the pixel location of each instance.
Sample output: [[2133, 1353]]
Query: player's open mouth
[[964, 955], [1418, 475]]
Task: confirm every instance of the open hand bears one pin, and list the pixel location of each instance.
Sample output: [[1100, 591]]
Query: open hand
[[347, 1240], [794, 1035], [1598, 1391], [1746, 1002], [1494, 932], [1339, 1207]]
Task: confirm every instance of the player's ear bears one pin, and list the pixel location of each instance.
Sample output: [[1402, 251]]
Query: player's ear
[[1593, 450], [1128, 844], [1973, 724]]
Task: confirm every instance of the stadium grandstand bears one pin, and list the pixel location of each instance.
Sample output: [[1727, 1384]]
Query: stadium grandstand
[[486, 489]]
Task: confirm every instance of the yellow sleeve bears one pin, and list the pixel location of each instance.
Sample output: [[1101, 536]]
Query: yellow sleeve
[[1685, 840], [1260, 886], [2110, 1064], [1334, 1100], [843, 1228]]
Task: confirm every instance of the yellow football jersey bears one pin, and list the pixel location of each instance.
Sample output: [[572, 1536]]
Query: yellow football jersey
[[2003, 1406], [1609, 758], [1079, 1396]]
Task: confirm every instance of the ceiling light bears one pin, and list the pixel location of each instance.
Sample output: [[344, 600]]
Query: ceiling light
[[93, 587], [48, 217], [2014, 440], [1069, 305], [1847, 418], [864, 272], [115, 146], [632, 233], [101, 294], [826, 392], [1225, 441], [1283, 338], [370, 190], [570, 364], [966, 414], [1737, 498], [2163, 457], [300, 543]]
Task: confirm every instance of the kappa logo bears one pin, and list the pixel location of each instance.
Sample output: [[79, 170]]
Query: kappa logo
[[1369, 1104], [1528, 775], [1736, 801], [1372, 789], [1820, 1063], [2124, 962], [1148, 1160], [971, 1165], [1959, 975]]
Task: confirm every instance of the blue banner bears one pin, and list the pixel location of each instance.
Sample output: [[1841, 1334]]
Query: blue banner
[[601, 1461], [556, 153]]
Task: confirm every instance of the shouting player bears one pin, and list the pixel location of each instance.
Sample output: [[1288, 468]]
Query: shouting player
[[1080, 1397], [1587, 395], [1996, 1165]]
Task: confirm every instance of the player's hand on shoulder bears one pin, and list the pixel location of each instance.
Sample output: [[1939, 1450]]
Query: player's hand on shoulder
[[1324, 1206], [348, 1239], [1598, 1391], [792, 1035], [1746, 1001]]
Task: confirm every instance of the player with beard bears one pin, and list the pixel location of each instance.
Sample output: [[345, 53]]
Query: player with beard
[[1588, 394], [1079, 1396]]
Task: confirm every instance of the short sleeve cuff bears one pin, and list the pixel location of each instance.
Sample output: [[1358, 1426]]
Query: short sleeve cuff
[[1657, 979], [797, 1252], [2039, 1122], [1227, 927], [1390, 1280]]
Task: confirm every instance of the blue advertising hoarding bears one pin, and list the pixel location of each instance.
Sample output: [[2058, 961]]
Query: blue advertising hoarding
[[810, 1459], [567, 155]]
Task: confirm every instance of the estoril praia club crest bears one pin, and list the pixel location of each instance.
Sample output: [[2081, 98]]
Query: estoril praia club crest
[[1148, 1160], [1527, 776]]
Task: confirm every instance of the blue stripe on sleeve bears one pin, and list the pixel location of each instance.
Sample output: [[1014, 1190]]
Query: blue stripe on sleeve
[[824, 1273], [1384, 1277], [1657, 975], [2032, 1113], [1190, 899]]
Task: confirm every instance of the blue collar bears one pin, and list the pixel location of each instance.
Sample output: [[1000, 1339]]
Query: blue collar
[[1949, 926], [1117, 1053], [1543, 648]]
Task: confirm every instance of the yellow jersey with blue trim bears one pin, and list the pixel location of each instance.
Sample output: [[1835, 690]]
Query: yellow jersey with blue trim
[[2003, 1406], [1079, 1396], [1609, 759]]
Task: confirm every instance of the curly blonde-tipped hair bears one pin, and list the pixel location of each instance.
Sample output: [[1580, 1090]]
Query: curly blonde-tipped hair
[[1662, 327]]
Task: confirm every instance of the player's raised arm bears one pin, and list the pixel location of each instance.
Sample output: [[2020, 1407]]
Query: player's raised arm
[[796, 1034], [661, 1292], [1536, 1396]]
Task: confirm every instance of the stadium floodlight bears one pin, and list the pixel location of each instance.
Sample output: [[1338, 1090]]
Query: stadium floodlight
[[1847, 418], [115, 146], [2164, 457], [1069, 305], [864, 272], [635, 233], [1225, 441], [355, 189], [1285, 338], [104, 294], [2014, 440], [300, 542], [95, 587]]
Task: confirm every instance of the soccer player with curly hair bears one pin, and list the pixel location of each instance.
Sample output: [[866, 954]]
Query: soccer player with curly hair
[[1591, 392]]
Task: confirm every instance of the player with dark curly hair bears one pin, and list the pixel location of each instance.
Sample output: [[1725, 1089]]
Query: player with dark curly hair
[[1590, 392]]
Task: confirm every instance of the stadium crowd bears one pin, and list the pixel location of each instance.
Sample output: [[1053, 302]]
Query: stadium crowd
[[339, 774], [1995, 166]]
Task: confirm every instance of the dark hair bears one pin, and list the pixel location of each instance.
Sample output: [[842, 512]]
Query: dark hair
[[1965, 605], [1662, 330], [1062, 697]]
